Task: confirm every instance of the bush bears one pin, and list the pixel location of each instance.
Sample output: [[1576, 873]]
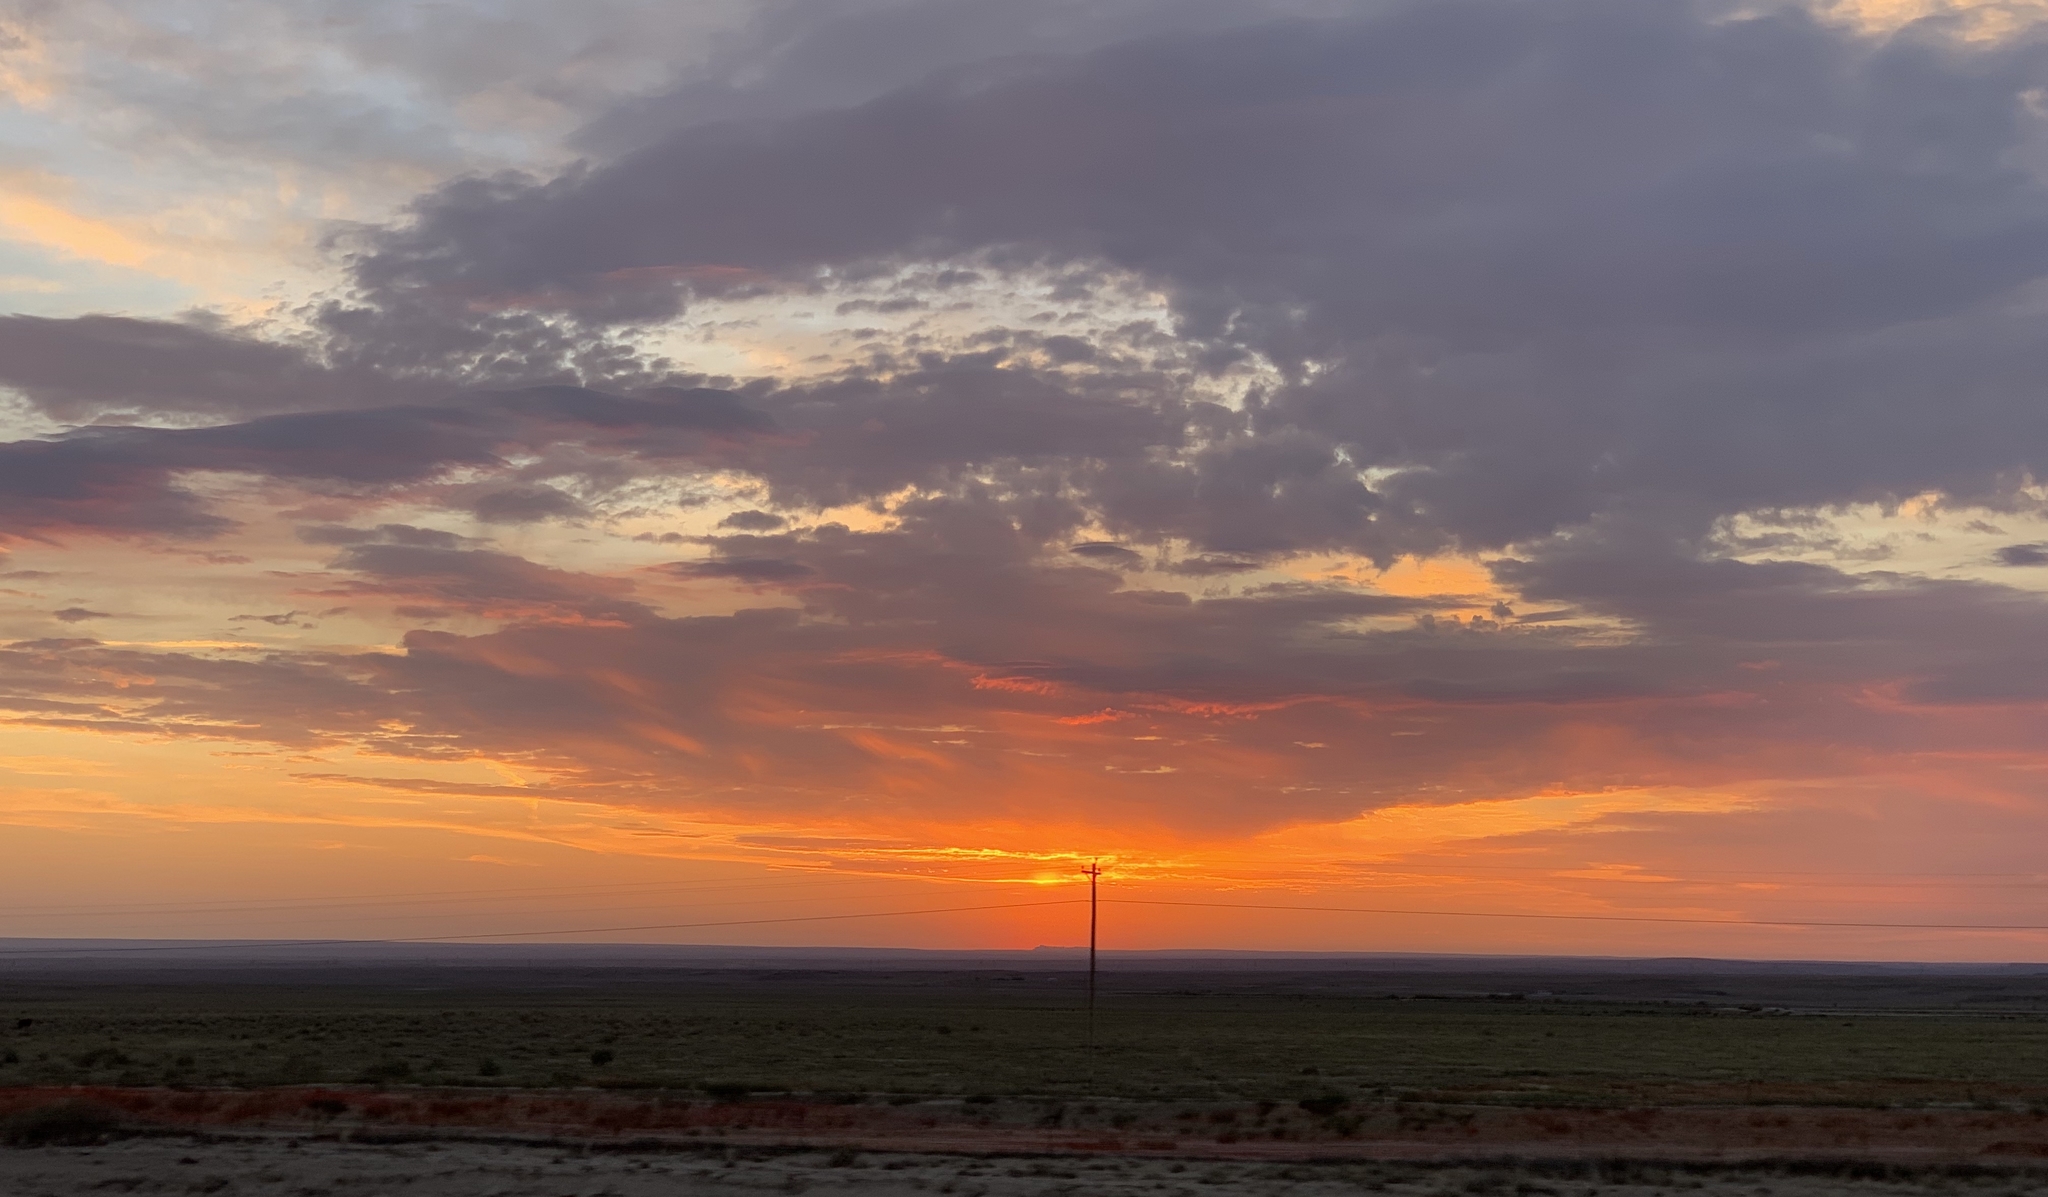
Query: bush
[[64, 1124], [386, 1071], [601, 1057], [1326, 1105]]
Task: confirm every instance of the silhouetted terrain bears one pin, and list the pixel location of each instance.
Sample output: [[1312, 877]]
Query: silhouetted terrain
[[1254, 1059]]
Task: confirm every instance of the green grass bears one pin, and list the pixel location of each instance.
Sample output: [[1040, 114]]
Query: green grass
[[820, 1037]]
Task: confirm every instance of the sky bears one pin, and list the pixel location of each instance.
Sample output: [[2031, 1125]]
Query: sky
[[1382, 475]]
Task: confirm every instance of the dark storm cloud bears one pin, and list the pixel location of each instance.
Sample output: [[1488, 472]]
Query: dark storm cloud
[[81, 368], [500, 585], [1062, 676], [83, 685], [1546, 260], [987, 591], [72, 485], [1070, 681], [743, 569], [1205, 567], [1544, 256], [1106, 553], [584, 682], [693, 409], [799, 56], [402, 534], [379, 446], [949, 420], [1571, 280], [123, 480], [1940, 641], [525, 505], [753, 521]]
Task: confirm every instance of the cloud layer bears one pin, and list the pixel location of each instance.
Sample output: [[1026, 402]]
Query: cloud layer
[[1415, 404]]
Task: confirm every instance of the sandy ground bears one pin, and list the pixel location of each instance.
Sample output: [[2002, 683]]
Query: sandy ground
[[1262, 1132], [292, 1167]]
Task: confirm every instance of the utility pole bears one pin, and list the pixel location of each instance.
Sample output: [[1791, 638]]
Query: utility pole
[[1094, 871]]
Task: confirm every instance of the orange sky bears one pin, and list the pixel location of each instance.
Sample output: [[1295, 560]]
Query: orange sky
[[625, 467]]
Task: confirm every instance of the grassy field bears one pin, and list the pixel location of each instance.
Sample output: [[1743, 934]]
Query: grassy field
[[255, 1169], [1009, 1036]]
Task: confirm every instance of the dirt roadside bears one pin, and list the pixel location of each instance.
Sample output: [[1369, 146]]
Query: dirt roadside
[[277, 1165], [1921, 1136]]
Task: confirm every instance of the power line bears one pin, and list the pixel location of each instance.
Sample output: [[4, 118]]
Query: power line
[[1458, 866], [806, 877], [1426, 864], [634, 899], [1592, 918], [819, 918], [998, 873], [320, 943], [416, 897]]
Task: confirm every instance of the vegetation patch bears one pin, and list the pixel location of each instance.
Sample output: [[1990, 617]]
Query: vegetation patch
[[60, 1124]]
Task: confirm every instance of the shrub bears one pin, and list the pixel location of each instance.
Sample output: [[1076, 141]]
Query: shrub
[[385, 1071], [1326, 1105], [64, 1124]]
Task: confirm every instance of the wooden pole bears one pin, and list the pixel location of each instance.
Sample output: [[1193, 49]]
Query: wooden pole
[[1094, 871]]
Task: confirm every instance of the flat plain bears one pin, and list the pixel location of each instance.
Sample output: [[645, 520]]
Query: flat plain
[[1871, 1079]]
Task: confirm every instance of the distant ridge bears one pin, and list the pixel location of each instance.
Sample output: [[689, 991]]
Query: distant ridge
[[101, 955]]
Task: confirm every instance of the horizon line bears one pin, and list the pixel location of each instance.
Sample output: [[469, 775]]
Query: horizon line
[[33, 947]]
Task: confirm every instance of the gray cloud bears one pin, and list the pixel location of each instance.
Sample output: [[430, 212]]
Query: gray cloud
[[797, 56], [743, 569], [1544, 257], [1566, 281], [499, 585], [84, 368], [952, 419], [656, 409], [124, 480], [403, 534], [1204, 567], [525, 505], [1107, 553], [1065, 673], [753, 521]]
